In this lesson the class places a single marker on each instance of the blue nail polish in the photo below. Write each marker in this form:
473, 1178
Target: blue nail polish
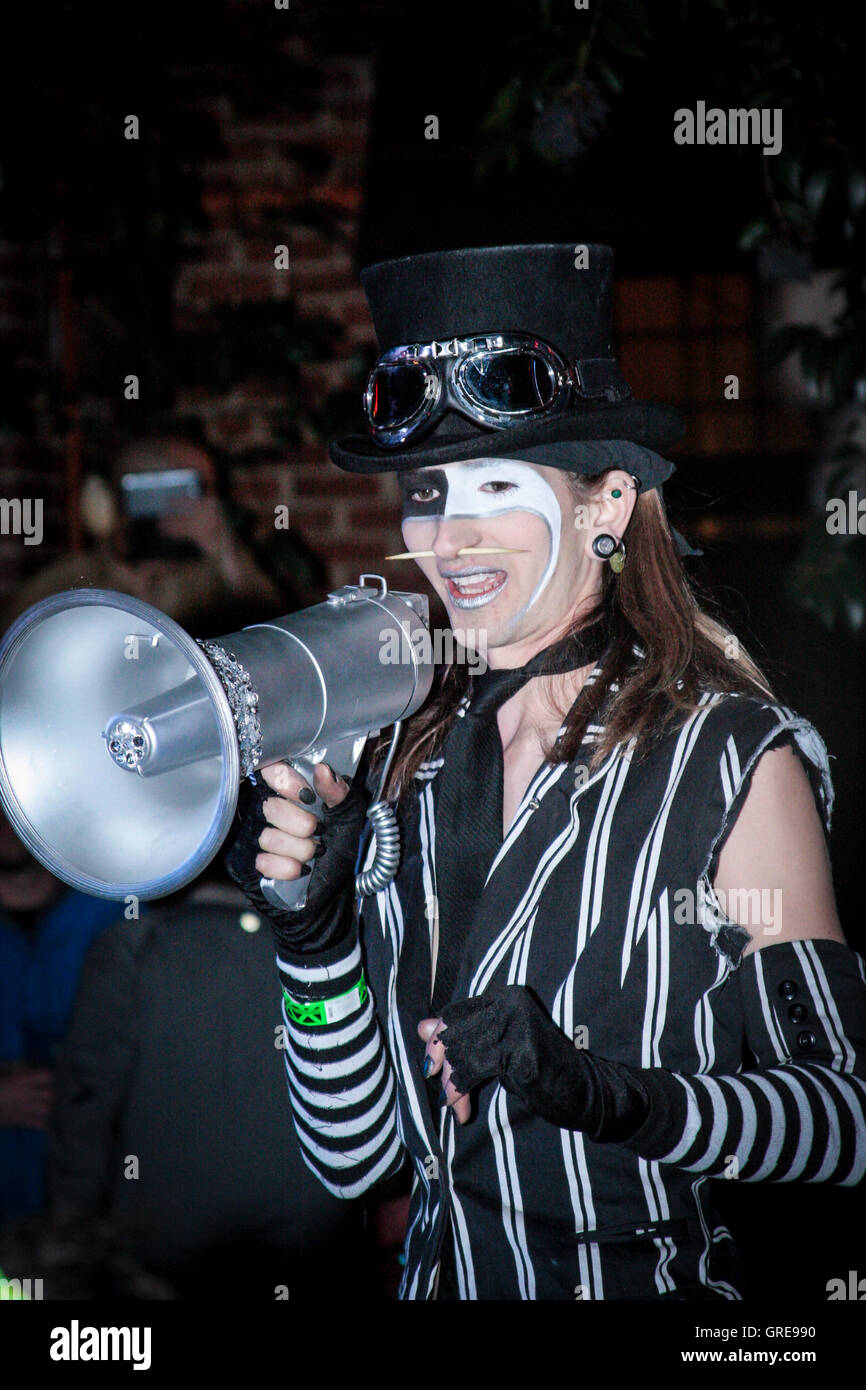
443, 1097
428, 1062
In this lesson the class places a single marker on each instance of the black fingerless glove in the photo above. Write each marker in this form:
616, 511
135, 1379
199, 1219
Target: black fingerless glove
505, 1034
327, 917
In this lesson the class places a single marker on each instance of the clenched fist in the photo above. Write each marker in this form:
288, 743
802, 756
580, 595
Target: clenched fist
277, 838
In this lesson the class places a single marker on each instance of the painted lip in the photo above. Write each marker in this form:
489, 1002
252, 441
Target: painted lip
461, 599
471, 569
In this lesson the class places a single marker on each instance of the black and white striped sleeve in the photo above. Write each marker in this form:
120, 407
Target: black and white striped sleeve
341, 1082
798, 1115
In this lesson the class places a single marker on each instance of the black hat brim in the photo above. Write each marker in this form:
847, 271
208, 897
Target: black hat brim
655, 426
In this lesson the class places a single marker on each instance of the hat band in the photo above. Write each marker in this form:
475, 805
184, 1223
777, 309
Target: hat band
494, 379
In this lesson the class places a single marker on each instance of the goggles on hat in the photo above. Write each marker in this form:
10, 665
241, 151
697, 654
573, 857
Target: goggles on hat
495, 379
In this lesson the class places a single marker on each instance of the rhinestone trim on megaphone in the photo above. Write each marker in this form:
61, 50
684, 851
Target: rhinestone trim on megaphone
243, 702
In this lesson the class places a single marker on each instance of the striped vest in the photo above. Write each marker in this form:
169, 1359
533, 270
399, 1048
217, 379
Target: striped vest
600, 900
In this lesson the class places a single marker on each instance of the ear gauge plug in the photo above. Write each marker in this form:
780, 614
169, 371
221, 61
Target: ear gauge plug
609, 548
604, 546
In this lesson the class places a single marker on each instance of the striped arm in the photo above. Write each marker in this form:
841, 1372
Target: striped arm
801, 1117
341, 1084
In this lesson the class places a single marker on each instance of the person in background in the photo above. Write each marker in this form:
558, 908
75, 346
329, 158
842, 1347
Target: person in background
577, 1002
45, 932
186, 558
171, 1112
56, 1258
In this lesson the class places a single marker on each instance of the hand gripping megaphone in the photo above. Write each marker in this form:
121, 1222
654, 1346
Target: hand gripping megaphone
123, 740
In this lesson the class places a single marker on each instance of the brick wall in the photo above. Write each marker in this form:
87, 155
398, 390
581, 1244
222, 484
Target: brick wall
263, 190
245, 196
678, 336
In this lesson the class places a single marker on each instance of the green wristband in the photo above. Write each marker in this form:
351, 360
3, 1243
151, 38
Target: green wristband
315, 1013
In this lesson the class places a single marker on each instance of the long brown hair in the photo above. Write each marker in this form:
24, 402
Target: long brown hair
651, 604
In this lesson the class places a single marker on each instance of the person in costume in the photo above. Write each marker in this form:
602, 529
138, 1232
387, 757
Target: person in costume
609, 967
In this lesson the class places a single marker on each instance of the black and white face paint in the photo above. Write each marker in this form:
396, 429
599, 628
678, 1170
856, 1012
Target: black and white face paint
464, 490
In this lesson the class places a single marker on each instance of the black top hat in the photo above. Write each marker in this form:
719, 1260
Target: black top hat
560, 293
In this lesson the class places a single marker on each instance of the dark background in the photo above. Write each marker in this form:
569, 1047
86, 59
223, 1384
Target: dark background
157, 257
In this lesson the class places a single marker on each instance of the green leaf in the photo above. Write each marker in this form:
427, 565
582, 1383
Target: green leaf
794, 337
754, 233
816, 188
789, 170
856, 190
855, 609
814, 358
828, 578
504, 104
609, 78
848, 365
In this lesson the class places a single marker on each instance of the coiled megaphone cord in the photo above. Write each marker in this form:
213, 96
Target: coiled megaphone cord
383, 820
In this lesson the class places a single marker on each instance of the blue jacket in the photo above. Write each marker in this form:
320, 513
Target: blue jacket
39, 972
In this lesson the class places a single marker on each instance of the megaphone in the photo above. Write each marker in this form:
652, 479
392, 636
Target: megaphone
123, 740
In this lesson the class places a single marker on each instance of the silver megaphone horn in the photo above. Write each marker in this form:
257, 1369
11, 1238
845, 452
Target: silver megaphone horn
123, 740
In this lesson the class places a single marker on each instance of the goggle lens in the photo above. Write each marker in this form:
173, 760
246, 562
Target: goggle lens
396, 394
509, 381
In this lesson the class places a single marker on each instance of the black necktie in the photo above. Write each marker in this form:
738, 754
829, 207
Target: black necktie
470, 790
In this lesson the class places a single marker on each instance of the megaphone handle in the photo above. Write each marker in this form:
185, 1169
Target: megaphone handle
292, 893
342, 757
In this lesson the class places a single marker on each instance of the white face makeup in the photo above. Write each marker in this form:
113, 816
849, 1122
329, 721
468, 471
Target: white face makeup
459, 491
